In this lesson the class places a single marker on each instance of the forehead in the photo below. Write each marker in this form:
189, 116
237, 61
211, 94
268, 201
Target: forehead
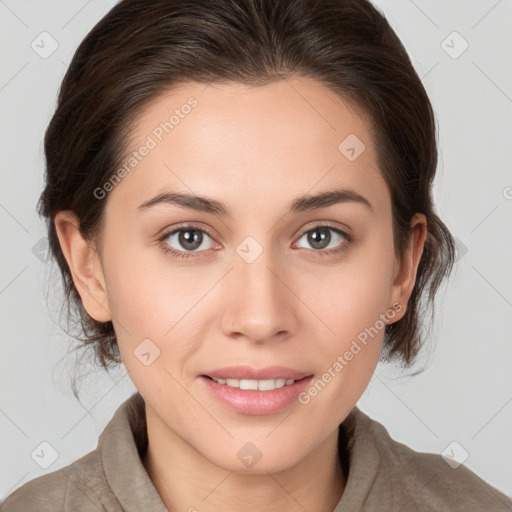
289, 136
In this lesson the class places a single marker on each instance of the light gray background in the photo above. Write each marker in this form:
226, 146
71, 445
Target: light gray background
465, 392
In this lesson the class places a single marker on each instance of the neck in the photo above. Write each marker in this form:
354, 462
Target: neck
188, 481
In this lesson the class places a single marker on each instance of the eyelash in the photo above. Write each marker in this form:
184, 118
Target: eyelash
185, 255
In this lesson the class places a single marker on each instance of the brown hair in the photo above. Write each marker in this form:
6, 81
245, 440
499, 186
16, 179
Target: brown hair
141, 49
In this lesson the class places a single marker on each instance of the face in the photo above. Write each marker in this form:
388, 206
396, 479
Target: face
252, 275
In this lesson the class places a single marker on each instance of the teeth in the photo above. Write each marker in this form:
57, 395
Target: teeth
261, 385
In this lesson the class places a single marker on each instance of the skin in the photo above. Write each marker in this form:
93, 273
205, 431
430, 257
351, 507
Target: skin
255, 149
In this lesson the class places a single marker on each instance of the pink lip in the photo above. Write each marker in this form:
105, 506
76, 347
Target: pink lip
253, 402
247, 372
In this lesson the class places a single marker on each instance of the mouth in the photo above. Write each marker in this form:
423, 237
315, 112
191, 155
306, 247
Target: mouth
255, 384
256, 397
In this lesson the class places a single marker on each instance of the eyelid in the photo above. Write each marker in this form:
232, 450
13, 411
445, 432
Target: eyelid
348, 238
324, 224
316, 224
165, 233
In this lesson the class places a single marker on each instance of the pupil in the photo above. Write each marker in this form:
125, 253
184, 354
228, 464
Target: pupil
191, 239
319, 238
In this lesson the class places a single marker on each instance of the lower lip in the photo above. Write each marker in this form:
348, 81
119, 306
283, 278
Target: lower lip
253, 402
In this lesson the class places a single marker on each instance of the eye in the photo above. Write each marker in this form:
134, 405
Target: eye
184, 240
323, 242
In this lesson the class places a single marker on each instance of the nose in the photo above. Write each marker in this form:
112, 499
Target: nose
260, 304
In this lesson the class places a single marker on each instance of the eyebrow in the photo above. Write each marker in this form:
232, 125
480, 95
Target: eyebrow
300, 204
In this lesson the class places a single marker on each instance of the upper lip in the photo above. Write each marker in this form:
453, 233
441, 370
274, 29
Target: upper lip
249, 373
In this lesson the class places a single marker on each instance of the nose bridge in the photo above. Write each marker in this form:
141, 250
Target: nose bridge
260, 305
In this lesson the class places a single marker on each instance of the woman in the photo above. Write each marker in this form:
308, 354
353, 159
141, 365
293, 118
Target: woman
238, 196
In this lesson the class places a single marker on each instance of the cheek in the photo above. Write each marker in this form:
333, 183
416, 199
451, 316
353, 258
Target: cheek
141, 290
352, 295
153, 296
157, 310
140, 299
352, 301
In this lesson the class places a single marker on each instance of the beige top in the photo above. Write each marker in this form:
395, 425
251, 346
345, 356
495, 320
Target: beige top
384, 475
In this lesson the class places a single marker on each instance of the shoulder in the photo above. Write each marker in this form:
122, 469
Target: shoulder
431, 481
78, 486
426, 480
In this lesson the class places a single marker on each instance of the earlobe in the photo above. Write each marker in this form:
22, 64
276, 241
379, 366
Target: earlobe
407, 268
85, 266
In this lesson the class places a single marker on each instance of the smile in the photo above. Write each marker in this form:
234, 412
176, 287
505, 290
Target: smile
256, 385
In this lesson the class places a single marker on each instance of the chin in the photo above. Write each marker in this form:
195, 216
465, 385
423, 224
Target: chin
255, 459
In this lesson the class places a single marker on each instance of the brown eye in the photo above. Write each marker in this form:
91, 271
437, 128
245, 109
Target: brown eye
190, 239
320, 238
187, 239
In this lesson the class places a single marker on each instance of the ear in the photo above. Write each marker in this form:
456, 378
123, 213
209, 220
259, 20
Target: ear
406, 268
85, 266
